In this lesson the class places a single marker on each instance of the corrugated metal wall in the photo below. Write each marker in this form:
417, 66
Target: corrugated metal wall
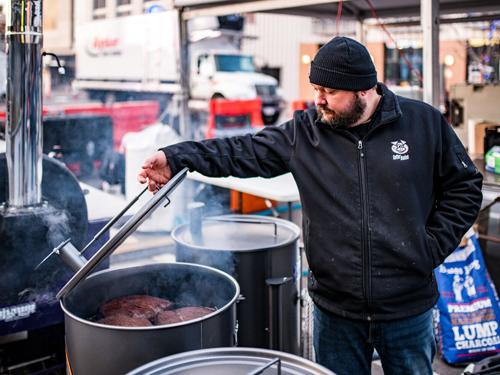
276, 43
275, 39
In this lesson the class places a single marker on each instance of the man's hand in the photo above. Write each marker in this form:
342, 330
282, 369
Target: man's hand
155, 171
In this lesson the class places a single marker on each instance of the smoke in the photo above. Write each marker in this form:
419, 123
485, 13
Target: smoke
183, 285
41, 295
222, 260
200, 288
206, 242
205, 201
58, 229
44, 284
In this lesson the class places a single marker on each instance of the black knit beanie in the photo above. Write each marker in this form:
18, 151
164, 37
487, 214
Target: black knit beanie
343, 64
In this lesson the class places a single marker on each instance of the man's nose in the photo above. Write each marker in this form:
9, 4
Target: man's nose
319, 99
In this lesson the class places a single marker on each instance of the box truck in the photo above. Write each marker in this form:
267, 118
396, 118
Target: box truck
137, 57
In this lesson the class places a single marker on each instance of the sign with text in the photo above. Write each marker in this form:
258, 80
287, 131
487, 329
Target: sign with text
468, 306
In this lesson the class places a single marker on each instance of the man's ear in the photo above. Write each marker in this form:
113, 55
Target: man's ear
362, 93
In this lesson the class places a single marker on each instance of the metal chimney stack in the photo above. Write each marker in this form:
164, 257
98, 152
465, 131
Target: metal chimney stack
24, 102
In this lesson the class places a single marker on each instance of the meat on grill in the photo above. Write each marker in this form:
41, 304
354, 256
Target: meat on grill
182, 314
189, 313
167, 317
136, 306
125, 321
142, 310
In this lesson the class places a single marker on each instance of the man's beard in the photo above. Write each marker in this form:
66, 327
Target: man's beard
343, 119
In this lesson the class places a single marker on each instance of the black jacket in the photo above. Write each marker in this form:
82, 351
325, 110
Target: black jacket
379, 214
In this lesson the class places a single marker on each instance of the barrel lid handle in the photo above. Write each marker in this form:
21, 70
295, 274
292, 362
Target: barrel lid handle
126, 230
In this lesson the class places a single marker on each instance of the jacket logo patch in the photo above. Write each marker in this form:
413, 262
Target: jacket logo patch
400, 149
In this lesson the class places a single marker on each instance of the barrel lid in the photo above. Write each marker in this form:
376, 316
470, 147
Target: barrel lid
126, 230
238, 233
234, 361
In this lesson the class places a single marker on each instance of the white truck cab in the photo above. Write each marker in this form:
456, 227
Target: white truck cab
232, 75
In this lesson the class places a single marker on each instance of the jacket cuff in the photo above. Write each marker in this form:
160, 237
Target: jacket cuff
175, 167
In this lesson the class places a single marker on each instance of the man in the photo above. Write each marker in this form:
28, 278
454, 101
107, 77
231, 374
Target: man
387, 191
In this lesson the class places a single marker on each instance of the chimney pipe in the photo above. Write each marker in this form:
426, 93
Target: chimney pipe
24, 102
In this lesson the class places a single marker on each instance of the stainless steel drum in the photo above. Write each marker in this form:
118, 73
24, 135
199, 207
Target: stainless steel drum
261, 253
232, 361
94, 348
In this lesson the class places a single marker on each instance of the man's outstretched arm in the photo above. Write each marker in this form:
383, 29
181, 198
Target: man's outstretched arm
265, 154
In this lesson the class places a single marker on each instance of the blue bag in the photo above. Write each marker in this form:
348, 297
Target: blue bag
468, 312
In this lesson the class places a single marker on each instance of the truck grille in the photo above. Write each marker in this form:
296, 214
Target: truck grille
265, 90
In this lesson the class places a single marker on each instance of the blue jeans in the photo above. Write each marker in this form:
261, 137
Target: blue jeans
345, 346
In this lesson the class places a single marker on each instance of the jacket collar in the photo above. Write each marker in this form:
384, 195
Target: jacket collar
390, 110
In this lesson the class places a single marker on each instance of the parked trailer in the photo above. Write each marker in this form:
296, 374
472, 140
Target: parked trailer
136, 57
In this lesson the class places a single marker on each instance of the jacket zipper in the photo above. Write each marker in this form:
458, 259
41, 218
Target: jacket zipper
365, 225
463, 162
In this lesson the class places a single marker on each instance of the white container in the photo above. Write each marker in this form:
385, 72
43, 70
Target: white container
138, 146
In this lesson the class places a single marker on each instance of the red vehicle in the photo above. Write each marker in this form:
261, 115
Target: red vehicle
233, 117
86, 135
126, 116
